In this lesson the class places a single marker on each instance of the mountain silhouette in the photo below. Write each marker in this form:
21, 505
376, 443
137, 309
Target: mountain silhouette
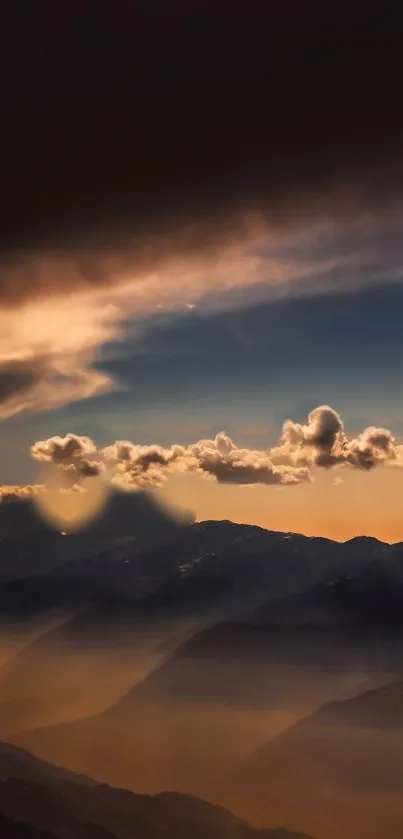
39, 801
251, 564
233, 619
11, 829
341, 767
324, 625
30, 546
133, 600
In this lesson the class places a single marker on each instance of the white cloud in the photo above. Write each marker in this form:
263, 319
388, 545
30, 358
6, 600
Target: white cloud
324, 443
73, 454
219, 458
320, 443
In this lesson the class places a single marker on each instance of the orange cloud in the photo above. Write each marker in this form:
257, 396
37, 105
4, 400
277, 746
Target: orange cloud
65, 309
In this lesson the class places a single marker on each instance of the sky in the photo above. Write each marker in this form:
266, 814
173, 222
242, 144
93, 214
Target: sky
201, 256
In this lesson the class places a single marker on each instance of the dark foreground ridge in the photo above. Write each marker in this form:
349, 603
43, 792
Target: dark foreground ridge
40, 801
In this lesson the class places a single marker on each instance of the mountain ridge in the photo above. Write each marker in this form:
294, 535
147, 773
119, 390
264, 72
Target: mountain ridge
63, 805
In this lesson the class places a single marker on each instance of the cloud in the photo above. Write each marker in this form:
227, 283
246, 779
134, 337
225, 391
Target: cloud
52, 340
373, 447
16, 376
324, 443
267, 108
218, 458
125, 192
320, 443
9, 492
223, 460
47, 352
70, 454
63, 450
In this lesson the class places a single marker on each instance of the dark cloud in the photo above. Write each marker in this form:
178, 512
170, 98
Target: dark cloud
16, 376
157, 126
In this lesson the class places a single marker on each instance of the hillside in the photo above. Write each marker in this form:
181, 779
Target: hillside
39, 801
341, 768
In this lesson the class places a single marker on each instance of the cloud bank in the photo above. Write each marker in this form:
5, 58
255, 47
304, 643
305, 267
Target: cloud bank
321, 443
220, 459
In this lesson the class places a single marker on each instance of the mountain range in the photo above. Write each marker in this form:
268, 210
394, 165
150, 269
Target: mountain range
40, 801
29, 545
256, 669
127, 609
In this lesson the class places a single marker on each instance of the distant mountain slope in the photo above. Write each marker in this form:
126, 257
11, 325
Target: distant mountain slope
370, 595
122, 600
19, 763
288, 658
10, 829
250, 563
127, 605
59, 804
341, 768
348, 625
381, 708
203, 709
124, 611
